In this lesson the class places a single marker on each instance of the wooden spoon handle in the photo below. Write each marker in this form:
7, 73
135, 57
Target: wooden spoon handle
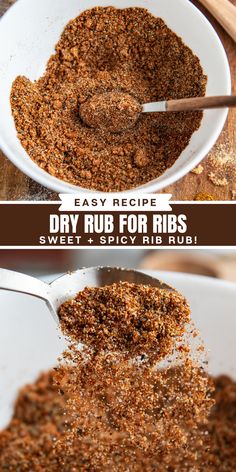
224, 12
201, 103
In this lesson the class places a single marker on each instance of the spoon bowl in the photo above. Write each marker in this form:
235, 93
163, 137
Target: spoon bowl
67, 286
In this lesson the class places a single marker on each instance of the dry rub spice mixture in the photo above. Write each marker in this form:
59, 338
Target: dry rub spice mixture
41, 419
111, 111
113, 404
108, 50
222, 165
202, 197
128, 318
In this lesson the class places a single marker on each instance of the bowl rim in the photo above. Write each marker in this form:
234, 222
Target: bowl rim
161, 275
33, 171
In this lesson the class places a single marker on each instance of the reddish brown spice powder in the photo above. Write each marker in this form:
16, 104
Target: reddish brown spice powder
128, 318
41, 420
139, 409
103, 409
111, 111
109, 50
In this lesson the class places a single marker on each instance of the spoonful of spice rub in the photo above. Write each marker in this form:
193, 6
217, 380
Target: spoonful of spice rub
111, 111
110, 309
126, 317
117, 111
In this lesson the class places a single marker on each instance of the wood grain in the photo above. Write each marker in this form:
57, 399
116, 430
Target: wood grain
16, 186
201, 103
224, 12
192, 184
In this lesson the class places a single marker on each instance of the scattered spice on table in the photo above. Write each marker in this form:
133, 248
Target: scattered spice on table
222, 165
233, 194
103, 51
204, 197
216, 180
198, 170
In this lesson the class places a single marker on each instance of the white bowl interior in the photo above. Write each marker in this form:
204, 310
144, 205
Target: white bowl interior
35, 29
30, 342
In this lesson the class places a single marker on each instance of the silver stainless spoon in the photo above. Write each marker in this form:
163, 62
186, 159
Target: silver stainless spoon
67, 286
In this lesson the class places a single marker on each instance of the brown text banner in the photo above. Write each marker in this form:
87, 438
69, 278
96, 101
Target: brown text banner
43, 225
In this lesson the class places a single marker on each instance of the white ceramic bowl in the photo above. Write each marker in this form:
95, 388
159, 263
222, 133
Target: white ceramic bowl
28, 34
30, 344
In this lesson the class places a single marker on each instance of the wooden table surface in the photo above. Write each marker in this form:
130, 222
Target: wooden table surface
16, 186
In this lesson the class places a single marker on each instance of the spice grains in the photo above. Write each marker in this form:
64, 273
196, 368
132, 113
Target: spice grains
127, 318
111, 111
135, 395
107, 50
41, 419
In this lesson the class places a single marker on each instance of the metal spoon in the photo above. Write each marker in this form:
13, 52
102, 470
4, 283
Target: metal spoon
67, 286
